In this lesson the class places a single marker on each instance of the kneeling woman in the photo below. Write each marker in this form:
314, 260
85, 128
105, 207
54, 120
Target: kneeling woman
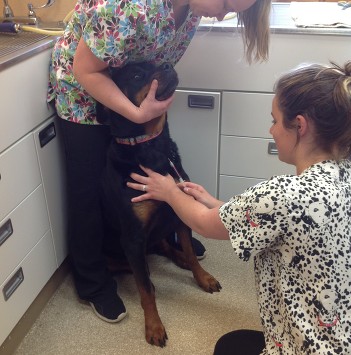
296, 227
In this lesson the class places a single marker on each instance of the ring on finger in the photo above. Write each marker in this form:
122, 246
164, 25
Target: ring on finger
144, 188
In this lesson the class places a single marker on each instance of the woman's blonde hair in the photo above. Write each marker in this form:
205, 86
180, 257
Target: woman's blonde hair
256, 22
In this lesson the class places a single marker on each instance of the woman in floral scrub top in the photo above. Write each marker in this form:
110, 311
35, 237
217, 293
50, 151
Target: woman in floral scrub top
117, 32
296, 227
112, 33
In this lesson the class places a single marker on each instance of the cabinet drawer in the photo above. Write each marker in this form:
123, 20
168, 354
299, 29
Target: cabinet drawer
23, 111
249, 157
247, 114
230, 186
25, 283
18, 233
19, 174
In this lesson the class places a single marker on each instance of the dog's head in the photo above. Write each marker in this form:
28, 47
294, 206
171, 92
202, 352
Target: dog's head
134, 80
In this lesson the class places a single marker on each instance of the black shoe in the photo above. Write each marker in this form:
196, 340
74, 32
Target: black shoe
198, 247
109, 307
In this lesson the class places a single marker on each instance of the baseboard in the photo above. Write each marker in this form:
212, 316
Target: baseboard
11, 343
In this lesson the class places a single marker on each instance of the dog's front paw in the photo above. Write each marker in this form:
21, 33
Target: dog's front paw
155, 334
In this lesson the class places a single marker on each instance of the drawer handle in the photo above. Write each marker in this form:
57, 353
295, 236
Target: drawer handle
272, 148
47, 134
6, 231
201, 101
13, 284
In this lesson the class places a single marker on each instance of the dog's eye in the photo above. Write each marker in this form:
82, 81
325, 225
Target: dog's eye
138, 77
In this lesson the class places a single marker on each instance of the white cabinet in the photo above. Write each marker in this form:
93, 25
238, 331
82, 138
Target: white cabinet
23, 90
194, 124
20, 230
52, 170
246, 114
248, 154
32, 189
25, 282
214, 62
27, 258
19, 174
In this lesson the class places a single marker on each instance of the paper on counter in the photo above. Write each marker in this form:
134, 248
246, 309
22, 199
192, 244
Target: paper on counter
320, 14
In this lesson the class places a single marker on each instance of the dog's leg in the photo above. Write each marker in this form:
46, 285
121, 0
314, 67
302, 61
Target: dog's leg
205, 280
155, 332
177, 256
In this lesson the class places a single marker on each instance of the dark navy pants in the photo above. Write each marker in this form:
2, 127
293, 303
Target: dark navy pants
85, 149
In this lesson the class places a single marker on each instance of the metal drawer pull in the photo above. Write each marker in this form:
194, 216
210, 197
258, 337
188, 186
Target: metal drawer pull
6, 231
201, 101
47, 134
13, 284
272, 148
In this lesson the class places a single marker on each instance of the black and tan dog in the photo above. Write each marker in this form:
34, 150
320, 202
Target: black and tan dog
140, 225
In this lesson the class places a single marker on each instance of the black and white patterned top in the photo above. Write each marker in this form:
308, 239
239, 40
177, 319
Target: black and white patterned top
298, 228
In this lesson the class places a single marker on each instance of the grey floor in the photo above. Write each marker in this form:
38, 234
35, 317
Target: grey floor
194, 320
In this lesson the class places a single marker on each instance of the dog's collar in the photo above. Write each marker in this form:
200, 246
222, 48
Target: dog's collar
139, 139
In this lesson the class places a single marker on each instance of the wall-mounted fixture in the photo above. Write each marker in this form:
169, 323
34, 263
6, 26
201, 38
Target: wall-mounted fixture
30, 19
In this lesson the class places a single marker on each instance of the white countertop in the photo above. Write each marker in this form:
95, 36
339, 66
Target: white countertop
281, 22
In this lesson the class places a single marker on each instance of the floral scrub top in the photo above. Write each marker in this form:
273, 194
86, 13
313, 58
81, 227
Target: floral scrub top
117, 32
298, 228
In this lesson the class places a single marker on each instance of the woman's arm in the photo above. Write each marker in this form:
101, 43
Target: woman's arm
92, 74
193, 213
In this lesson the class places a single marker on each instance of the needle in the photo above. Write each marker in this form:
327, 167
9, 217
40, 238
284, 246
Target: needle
175, 169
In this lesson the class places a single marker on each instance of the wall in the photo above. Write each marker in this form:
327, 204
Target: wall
56, 12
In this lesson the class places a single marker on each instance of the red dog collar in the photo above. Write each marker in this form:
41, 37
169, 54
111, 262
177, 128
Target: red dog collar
139, 139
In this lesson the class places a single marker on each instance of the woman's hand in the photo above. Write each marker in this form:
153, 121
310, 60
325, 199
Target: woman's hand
150, 107
155, 185
159, 187
92, 75
200, 194
192, 212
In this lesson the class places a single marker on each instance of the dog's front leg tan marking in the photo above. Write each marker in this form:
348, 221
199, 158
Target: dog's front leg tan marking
145, 210
155, 332
205, 280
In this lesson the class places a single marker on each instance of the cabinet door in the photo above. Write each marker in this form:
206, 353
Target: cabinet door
50, 154
247, 114
251, 157
23, 90
194, 125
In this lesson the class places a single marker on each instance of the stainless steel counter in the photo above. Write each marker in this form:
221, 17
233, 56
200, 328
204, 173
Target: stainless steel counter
15, 48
